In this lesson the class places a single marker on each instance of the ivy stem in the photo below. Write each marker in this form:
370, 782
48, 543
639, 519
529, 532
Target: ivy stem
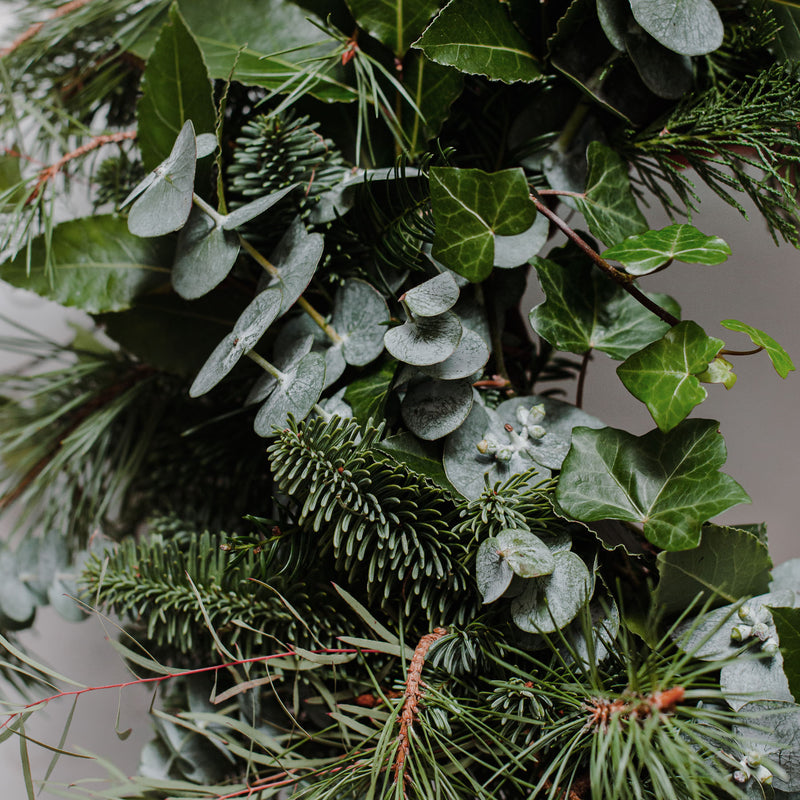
561, 193
622, 278
302, 302
752, 352
494, 335
587, 357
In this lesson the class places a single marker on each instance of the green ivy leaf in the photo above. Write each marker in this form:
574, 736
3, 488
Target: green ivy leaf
95, 265
664, 375
395, 23
360, 315
727, 564
787, 623
585, 311
470, 207
719, 371
648, 251
367, 395
432, 409
777, 355
668, 482
480, 39
689, 27
428, 340
424, 458
551, 602
175, 88
608, 204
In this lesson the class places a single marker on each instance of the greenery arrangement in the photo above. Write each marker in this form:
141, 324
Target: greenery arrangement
317, 454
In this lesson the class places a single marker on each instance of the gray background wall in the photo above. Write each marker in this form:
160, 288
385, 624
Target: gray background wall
760, 284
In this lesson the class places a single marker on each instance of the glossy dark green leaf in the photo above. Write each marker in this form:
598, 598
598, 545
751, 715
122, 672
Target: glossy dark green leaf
296, 257
668, 482
727, 564
787, 623
614, 16
296, 393
255, 208
395, 23
434, 89
175, 88
513, 251
367, 395
433, 297
664, 375
428, 340
470, 355
164, 197
432, 409
470, 207
689, 27
608, 205
360, 315
493, 573
664, 72
583, 310
551, 602
778, 356
480, 39
648, 251
95, 265
204, 256
424, 458
786, 45
249, 328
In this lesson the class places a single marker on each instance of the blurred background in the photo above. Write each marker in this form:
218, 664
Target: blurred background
759, 284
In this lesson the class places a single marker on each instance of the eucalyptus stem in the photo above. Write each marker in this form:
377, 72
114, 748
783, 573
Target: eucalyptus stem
302, 302
622, 278
280, 376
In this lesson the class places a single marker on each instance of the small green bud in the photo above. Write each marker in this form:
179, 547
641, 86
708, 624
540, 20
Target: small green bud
536, 431
504, 454
740, 776
741, 633
771, 646
761, 630
745, 614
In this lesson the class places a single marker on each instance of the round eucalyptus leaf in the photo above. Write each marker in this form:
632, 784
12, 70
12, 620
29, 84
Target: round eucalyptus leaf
335, 364
665, 73
38, 559
526, 554
492, 572
360, 315
260, 313
754, 675
206, 144
513, 251
431, 409
296, 257
222, 360
283, 360
253, 209
614, 16
17, 602
602, 627
689, 27
426, 341
787, 575
336, 405
62, 594
470, 355
551, 602
296, 393
433, 297
166, 201
204, 256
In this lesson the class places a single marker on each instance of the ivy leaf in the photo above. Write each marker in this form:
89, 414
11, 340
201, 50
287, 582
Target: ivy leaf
668, 482
175, 88
514, 251
249, 328
777, 355
94, 264
727, 564
470, 207
433, 297
689, 27
719, 371
479, 38
608, 204
426, 341
551, 602
664, 375
470, 355
583, 310
204, 256
360, 315
367, 395
395, 23
648, 251
419, 456
296, 257
295, 393
165, 195
432, 409
787, 623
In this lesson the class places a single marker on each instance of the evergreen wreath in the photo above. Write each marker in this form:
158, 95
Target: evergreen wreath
316, 452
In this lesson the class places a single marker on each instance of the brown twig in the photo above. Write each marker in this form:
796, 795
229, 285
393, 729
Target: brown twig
412, 696
61, 11
49, 172
618, 276
587, 357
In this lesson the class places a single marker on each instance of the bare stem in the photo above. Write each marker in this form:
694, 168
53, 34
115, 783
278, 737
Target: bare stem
752, 352
622, 278
560, 193
587, 357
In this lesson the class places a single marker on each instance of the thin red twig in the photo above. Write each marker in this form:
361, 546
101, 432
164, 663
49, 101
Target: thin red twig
61, 11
